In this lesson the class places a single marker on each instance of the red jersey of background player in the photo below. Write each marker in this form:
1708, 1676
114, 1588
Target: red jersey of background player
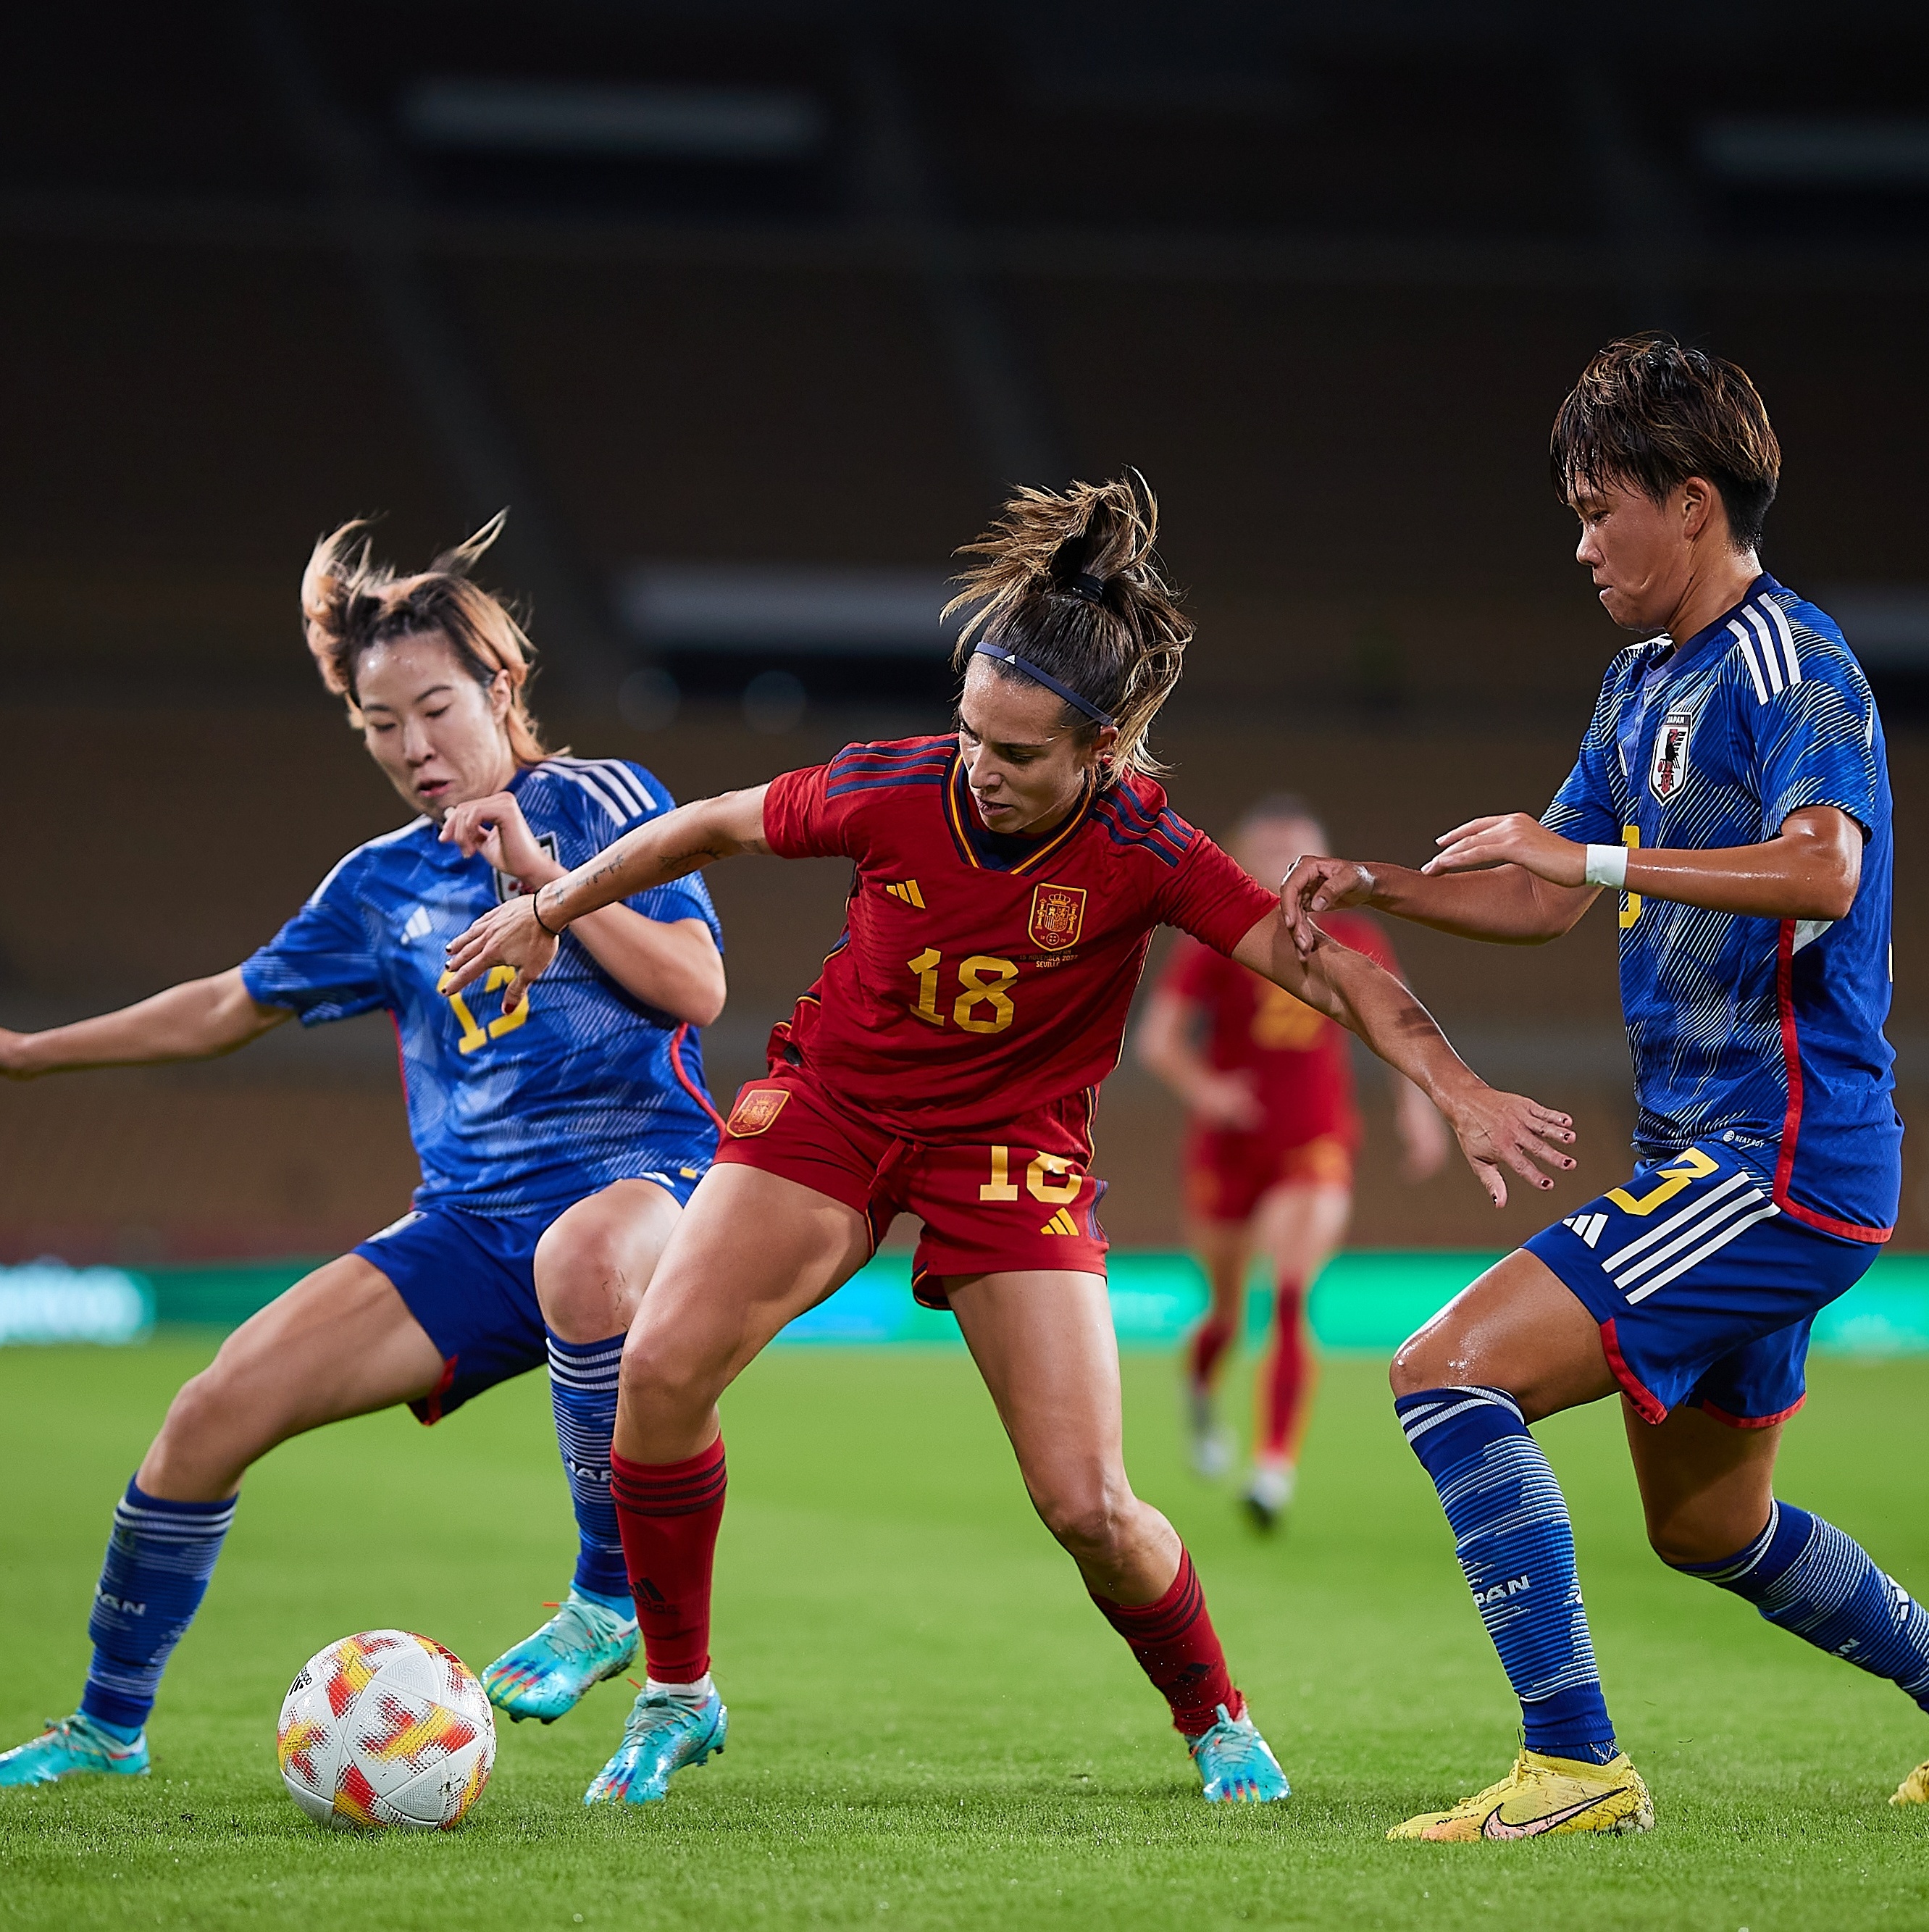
1301, 1062
983, 978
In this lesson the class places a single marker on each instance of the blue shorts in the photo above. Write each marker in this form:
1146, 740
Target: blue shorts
470, 1280
1704, 1291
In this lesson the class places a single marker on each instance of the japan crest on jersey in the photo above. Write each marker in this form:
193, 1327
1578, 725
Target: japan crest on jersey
1057, 917
1667, 765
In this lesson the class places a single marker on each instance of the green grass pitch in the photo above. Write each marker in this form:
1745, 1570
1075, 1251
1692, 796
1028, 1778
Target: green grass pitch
930, 1726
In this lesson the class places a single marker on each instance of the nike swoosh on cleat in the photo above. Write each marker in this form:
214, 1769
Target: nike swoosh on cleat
1495, 1826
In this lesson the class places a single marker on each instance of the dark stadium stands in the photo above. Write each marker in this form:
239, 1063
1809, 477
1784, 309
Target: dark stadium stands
1326, 294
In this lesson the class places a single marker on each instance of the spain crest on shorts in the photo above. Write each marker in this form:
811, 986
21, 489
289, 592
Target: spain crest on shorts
1668, 766
1057, 917
754, 1112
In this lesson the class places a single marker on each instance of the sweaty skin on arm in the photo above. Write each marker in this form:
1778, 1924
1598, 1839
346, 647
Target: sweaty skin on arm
1507, 878
199, 1019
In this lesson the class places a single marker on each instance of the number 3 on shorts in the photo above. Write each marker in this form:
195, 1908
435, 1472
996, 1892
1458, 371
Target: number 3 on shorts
1684, 1171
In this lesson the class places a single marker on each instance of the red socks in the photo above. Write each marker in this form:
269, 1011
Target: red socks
668, 1514
1286, 1382
1177, 1647
1210, 1340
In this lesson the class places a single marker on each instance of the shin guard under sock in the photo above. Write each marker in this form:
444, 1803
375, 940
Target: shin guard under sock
1286, 1379
159, 1559
583, 1393
1804, 1574
669, 1514
1516, 1547
1177, 1648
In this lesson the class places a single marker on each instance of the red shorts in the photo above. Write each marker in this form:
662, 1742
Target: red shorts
986, 1210
1228, 1174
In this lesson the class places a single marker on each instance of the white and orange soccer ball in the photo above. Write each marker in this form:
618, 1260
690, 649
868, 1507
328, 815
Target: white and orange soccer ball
386, 1729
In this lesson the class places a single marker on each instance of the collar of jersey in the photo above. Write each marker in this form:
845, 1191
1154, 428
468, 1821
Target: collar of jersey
974, 842
1678, 656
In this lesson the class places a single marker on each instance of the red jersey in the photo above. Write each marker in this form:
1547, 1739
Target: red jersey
1301, 1062
983, 979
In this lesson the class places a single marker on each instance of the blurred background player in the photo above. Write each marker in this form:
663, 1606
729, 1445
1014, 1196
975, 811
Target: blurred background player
1008, 878
1270, 1140
558, 1137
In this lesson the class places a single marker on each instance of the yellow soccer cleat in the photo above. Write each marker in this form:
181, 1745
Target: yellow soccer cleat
1914, 1789
1542, 1795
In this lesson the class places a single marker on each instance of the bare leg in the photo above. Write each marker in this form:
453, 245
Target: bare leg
751, 1251
1043, 1343
1706, 1488
595, 1259
340, 1343
1517, 1327
1224, 1253
1297, 1228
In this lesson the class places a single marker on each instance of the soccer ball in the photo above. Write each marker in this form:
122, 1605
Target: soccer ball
385, 1729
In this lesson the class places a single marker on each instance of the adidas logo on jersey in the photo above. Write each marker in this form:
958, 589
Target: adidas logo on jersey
418, 924
1588, 1226
907, 890
1061, 1223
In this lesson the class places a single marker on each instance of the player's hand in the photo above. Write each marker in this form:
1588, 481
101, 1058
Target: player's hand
495, 827
506, 935
1497, 1130
1226, 1099
1313, 886
1510, 838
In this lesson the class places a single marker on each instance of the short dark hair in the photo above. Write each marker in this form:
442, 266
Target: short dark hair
1648, 413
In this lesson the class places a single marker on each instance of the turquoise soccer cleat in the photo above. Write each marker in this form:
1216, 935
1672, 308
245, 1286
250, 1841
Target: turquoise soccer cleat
74, 1747
662, 1736
1238, 1764
550, 1672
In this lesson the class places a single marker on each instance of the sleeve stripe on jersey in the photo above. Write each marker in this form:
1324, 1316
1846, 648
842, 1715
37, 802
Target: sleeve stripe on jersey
618, 814
1780, 675
878, 756
620, 778
1766, 681
883, 783
1126, 823
1779, 619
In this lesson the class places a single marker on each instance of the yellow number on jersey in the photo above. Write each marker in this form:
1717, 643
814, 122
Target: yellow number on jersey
1630, 837
983, 979
1682, 1172
474, 1035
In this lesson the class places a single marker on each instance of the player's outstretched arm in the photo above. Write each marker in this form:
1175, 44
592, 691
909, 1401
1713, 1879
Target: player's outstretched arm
1809, 870
199, 1019
1495, 1130
1508, 904
521, 934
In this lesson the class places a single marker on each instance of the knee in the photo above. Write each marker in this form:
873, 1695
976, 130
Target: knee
656, 1378
202, 1405
1686, 1541
1412, 1369
1093, 1525
583, 1286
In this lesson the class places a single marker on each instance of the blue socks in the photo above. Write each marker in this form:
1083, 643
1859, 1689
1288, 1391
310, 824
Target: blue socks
1516, 1547
159, 1559
583, 1391
1805, 1575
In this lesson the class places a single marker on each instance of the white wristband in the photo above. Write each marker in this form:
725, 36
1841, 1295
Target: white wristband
1607, 866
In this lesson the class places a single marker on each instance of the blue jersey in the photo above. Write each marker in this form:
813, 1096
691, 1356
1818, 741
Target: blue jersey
510, 1112
1766, 1035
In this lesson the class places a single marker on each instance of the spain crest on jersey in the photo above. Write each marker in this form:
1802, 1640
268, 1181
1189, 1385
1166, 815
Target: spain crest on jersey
1668, 766
754, 1112
1057, 917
